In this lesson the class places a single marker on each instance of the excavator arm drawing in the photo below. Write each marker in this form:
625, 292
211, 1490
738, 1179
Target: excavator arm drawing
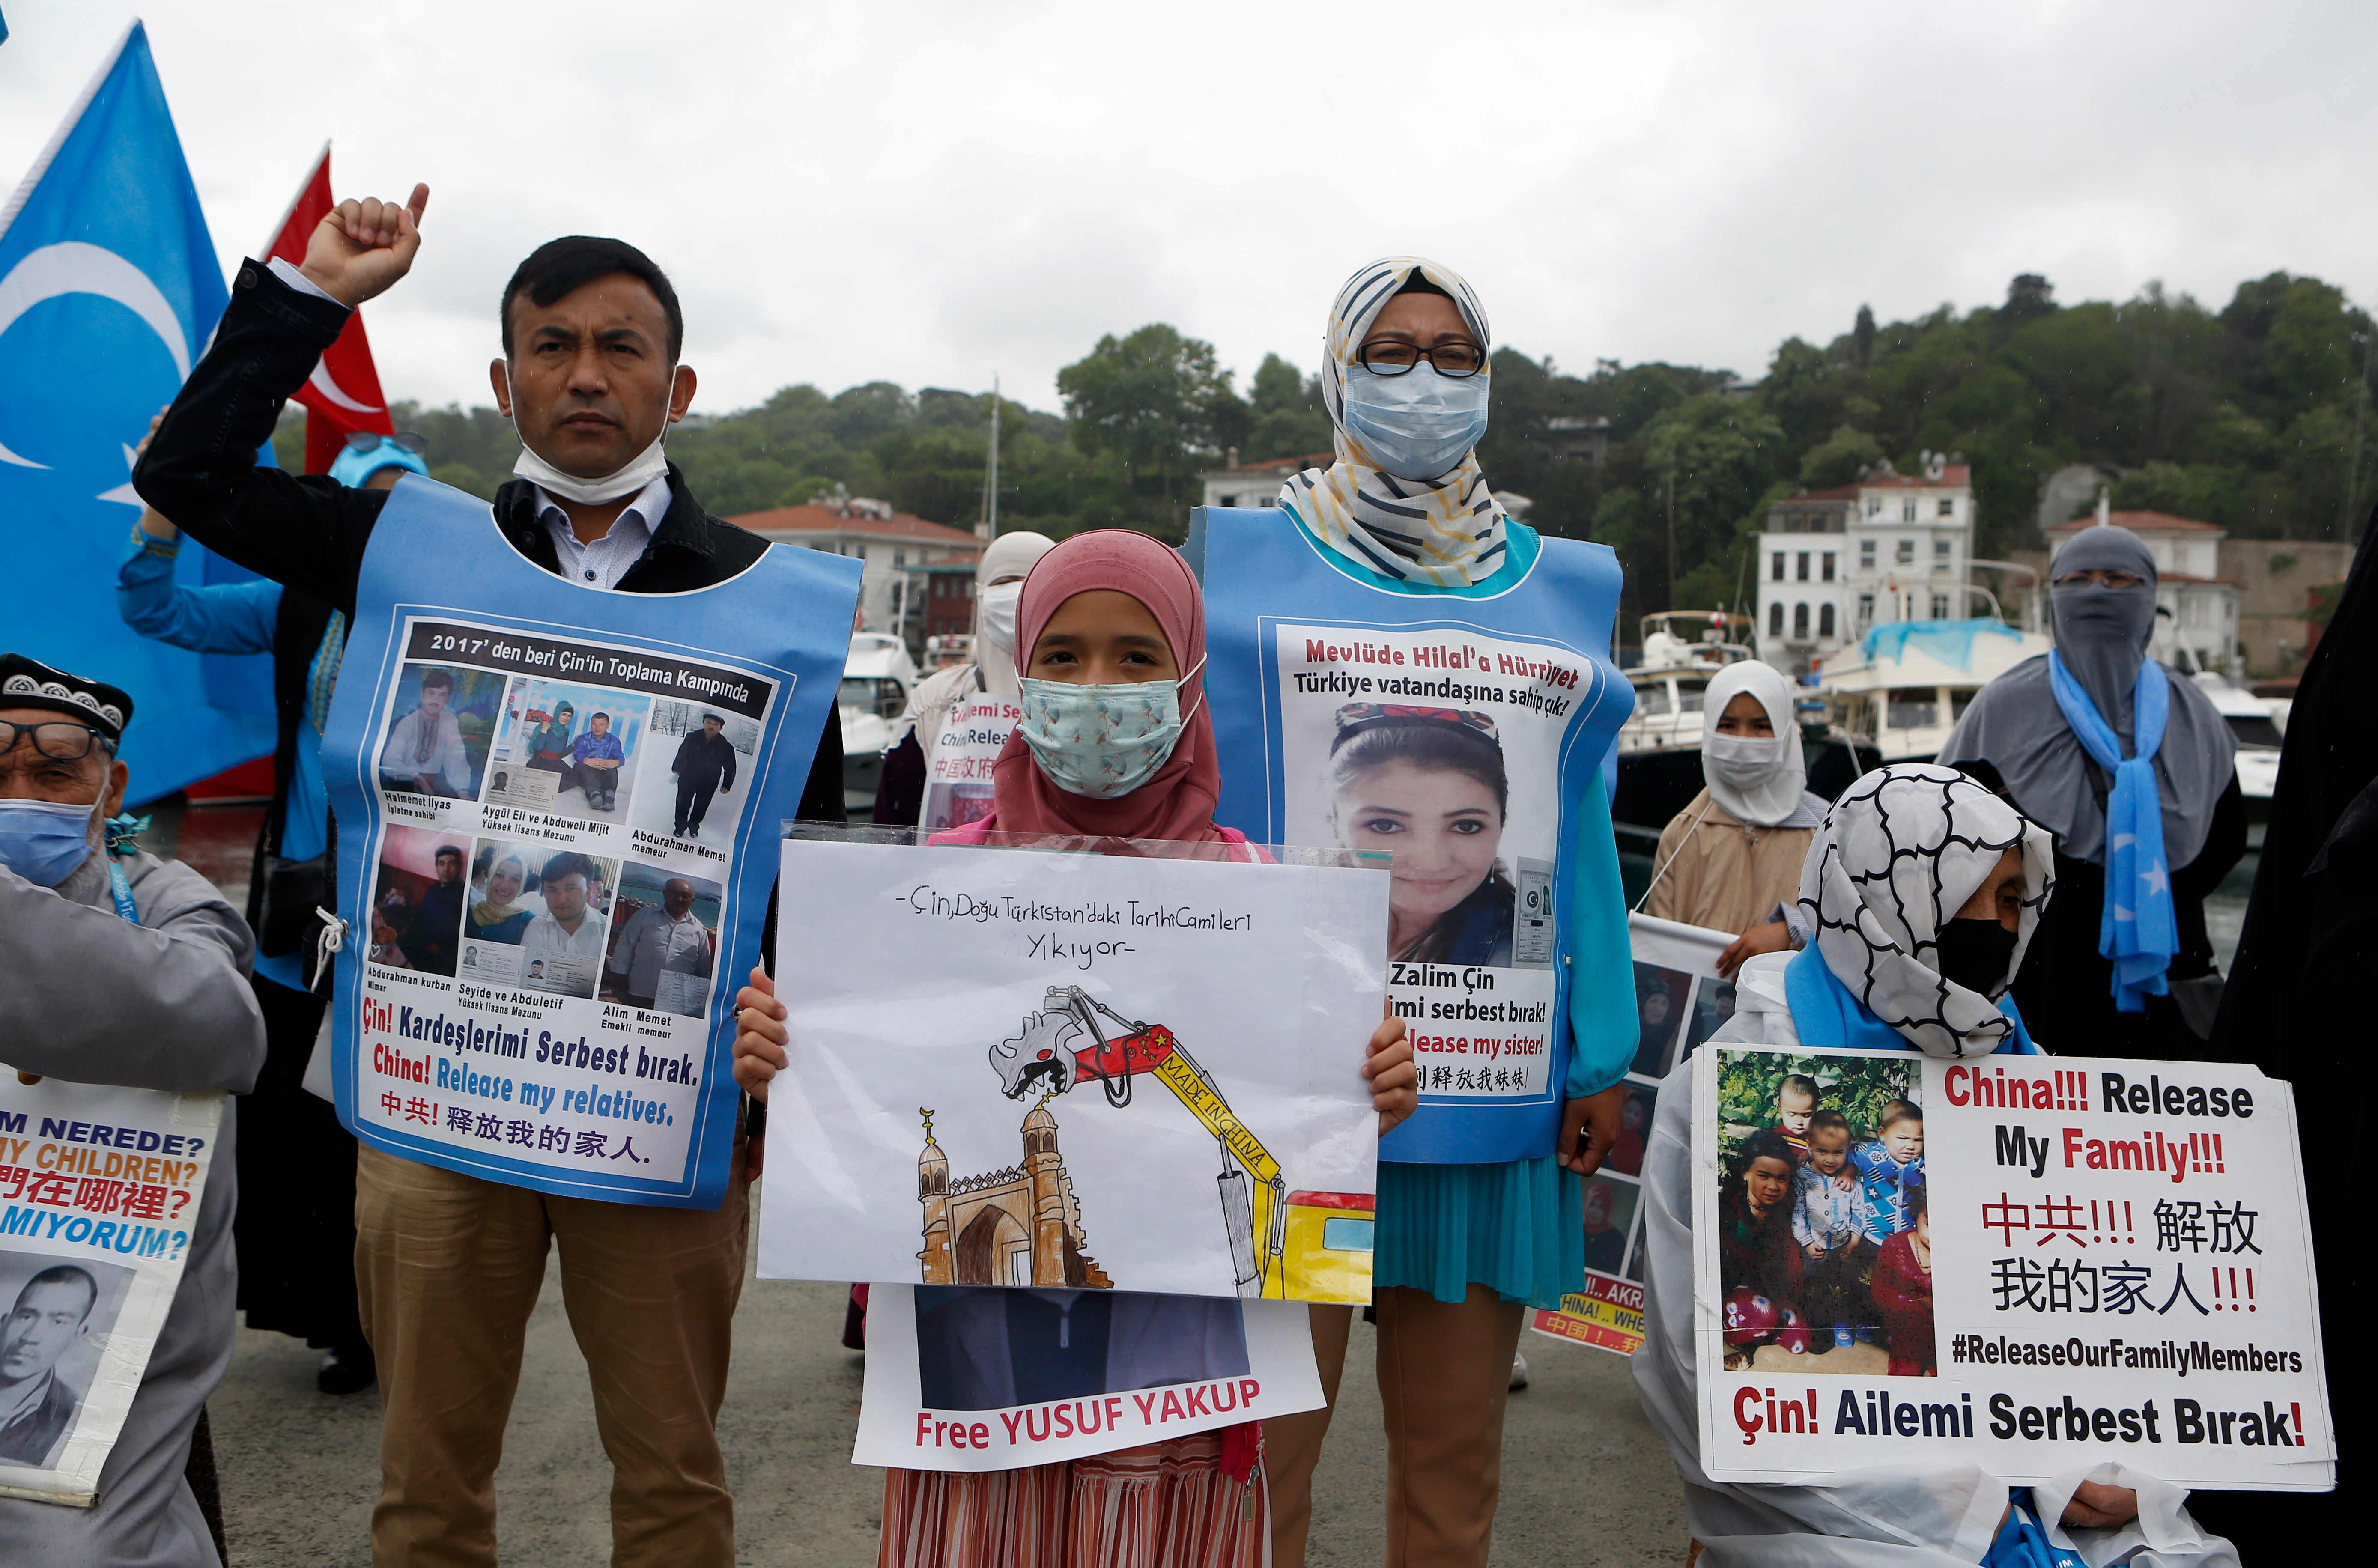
1051, 1051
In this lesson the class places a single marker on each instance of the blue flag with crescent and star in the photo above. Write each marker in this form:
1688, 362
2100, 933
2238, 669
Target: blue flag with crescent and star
109, 290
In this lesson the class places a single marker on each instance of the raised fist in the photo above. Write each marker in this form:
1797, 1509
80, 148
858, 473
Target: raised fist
360, 248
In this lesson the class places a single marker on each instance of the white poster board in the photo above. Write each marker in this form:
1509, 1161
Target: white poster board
1680, 1000
1012, 1066
100, 1191
961, 1379
2118, 1268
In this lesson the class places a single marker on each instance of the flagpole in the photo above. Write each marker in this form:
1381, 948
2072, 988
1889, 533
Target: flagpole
66, 128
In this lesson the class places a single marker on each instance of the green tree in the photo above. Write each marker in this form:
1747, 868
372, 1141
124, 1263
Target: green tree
1158, 402
1285, 416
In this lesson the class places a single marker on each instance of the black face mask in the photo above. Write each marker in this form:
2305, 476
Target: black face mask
1974, 954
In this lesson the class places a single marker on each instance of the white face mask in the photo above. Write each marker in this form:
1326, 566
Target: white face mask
640, 471
1743, 760
998, 606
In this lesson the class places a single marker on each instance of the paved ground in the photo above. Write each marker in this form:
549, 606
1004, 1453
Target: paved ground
1585, 1484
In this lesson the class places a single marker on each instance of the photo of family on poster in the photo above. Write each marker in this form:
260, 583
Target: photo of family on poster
568, 749
1824, 1242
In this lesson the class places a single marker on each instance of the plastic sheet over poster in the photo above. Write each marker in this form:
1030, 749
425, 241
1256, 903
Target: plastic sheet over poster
1680, 1001
100, 1193
2052, 1260
1056, 1070
996, 1379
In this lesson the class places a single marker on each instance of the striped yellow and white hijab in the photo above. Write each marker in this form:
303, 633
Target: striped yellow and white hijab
1448, 533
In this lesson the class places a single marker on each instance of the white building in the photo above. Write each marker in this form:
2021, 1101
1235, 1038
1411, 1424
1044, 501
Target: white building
1833, 564
2196, 623
1256, 484
905, 590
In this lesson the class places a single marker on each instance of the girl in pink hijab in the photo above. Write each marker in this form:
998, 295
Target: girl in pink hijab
1115, 743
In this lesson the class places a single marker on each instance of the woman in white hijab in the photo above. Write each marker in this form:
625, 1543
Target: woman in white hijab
1924, 889
1731, 859
978, 686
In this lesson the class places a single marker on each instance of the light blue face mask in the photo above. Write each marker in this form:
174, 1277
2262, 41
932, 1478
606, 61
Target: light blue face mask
1103, 741
43, 841
1417, 425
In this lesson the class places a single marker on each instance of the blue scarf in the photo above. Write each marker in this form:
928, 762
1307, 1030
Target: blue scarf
1830, 1019
2138, 930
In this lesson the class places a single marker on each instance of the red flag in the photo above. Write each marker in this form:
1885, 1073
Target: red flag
343, 392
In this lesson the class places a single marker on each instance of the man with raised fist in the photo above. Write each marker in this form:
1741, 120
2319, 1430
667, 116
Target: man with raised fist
448, 1265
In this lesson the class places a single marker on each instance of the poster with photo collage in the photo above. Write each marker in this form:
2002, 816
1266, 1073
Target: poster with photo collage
1680, 1001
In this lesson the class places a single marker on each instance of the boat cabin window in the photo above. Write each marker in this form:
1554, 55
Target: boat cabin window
1688, 695
1652, 700
2253, 729
1913, 707
1960, 698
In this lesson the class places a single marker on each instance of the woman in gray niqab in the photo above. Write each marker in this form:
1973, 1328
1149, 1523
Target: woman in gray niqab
2017, 738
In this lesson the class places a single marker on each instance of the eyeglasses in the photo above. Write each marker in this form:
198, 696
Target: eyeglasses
2099, 576
370, 440
60, 739
1393, 356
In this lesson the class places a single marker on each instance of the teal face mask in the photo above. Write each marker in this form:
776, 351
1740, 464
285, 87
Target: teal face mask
1103, 741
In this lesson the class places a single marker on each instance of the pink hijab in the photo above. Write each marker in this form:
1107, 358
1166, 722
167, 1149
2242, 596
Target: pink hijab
1178, 803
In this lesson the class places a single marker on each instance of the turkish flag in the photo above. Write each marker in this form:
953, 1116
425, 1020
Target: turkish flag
343, 392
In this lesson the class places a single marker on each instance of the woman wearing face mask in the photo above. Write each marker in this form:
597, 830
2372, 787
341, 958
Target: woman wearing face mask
930, 784
1925, 889
1397, 659
1731, 859
1115, 742
2130, 766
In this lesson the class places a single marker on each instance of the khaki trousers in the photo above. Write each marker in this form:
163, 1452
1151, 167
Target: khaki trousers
448, 1268
1445, 1378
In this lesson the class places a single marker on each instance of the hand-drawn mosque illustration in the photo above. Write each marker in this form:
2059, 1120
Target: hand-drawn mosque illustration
1021, 1225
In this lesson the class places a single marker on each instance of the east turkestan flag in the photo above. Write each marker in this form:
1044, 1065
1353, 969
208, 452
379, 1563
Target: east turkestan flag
109, 290
342, 395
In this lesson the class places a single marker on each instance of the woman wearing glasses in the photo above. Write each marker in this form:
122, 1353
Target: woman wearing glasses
297, 1271
1397, 665
2130, 766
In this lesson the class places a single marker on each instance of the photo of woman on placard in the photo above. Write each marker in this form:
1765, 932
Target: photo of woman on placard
499, 916
1428, 786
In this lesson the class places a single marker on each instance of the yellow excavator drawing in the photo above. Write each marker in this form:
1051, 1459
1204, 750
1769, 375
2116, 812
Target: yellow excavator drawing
1331, 1232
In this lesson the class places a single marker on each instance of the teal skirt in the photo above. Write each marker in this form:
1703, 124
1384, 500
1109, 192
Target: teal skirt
1518, 1228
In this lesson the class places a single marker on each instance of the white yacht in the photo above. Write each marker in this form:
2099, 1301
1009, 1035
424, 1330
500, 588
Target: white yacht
1904, 684
877, 675
1675, 671
2260, 724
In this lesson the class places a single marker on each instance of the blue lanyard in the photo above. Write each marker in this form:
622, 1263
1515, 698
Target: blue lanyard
121, 831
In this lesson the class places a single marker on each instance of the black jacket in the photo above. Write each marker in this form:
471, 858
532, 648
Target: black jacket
308, 531
704, 759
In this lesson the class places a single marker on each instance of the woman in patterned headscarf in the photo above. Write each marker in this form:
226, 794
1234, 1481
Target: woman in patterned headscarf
1924, 889
1406, 384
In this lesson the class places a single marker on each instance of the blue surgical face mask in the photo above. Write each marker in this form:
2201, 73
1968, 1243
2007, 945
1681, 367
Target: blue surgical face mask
1101, 741
43, 841
1418, 425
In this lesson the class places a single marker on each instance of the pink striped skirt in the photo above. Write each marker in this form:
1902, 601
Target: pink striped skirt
1165, 1505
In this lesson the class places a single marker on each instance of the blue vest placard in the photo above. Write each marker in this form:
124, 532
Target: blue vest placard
547, 922
1463, 732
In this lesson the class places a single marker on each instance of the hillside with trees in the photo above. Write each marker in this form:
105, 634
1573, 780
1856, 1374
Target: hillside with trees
2251, 416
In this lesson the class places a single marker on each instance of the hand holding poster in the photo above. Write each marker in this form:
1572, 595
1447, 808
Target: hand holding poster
100, 1189
1075, 1070
2025, 1263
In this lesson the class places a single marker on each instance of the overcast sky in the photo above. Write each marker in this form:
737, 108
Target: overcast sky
931, 193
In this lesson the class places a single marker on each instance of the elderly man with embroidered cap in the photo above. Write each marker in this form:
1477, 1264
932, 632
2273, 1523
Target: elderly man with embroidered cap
118, 968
